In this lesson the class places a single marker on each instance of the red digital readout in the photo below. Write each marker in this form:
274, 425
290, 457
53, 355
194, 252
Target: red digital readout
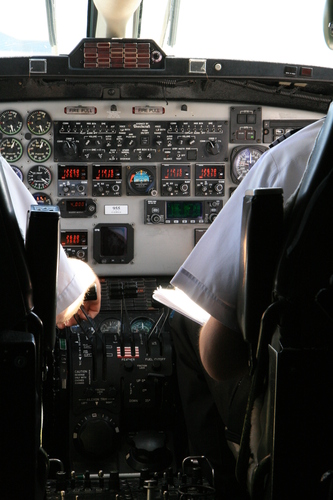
73, 238
75, 206
174, 173
101, 173
105, 173
209, 173
72, 173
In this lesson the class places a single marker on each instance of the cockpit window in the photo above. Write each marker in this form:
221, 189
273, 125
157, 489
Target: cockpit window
42, 27
284, 31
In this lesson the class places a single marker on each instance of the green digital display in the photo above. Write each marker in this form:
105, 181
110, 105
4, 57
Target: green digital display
184, 209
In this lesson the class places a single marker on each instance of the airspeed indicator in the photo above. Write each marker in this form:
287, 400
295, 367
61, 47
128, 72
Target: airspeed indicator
242, 160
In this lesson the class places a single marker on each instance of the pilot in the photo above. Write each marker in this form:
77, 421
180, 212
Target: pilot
74, 276
212, 361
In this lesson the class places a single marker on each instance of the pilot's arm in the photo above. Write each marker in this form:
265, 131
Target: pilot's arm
74, 277
210, 275
223, 352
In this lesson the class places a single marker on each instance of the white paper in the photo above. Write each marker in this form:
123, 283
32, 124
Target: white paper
177, 300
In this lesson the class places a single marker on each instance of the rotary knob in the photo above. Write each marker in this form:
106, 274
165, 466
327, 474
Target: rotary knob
149, 452
96, 436
213, 148
218, 188
69, 148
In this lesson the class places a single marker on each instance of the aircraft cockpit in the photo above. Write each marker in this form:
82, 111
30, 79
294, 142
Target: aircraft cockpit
135, 122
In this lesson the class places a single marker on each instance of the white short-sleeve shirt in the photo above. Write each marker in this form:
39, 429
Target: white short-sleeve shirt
210, 274
74, 276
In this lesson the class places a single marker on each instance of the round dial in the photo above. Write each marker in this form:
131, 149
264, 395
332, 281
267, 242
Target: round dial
42, 199
10, 122
110, 325
96, 435
141, 181
39, 150
18, 172
39, 177
39, 122
242, 160
142, 325
11, 149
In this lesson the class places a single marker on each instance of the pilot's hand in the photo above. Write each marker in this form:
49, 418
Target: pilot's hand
91, 306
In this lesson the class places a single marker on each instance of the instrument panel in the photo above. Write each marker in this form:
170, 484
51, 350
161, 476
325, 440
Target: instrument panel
137, 182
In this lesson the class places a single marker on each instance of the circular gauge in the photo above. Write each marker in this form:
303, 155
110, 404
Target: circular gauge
141, 181
39, 177
39, 150
110, 325
11, 149
10, 122
42, 199
142, 325
18, 172
39, 122
242, 160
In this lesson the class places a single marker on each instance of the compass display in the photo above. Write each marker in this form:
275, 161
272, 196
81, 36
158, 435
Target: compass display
141, 181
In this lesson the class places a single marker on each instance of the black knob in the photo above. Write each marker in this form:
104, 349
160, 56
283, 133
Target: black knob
213, 148
69, 148
97, 437
155, 219
218, 188
149, 451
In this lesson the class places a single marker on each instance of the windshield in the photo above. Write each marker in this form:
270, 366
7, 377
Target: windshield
285, 31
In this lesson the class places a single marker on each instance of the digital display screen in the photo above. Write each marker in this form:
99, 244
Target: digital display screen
66, 173
74, 238
101, 173
175, 172
209, 172
184, 209
113, 243
75, 206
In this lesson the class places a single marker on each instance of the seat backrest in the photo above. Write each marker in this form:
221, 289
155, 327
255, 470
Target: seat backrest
306, 261
295, 338
27, 293
19, 440
261, 235
16, 288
